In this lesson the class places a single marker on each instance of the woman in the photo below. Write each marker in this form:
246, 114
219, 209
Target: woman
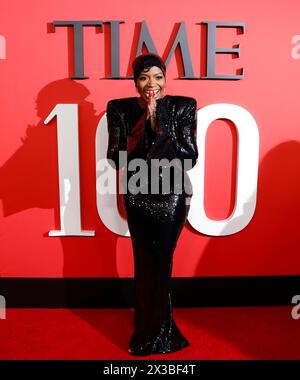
153, 126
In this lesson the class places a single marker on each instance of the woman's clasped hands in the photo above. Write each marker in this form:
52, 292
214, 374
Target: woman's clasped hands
151, 111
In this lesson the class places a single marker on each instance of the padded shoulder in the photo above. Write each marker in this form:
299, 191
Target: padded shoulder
183, 100
119, 103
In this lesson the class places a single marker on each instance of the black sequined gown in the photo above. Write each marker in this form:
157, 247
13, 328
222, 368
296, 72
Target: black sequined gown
155, 221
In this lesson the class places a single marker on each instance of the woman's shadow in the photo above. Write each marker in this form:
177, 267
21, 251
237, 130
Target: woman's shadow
29, 179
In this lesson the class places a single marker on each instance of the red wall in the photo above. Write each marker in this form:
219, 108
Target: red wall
35, 76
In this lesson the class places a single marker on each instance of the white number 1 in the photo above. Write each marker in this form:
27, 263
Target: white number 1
68, 166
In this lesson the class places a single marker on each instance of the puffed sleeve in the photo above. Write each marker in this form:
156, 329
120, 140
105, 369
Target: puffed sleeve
181, 145
117, 139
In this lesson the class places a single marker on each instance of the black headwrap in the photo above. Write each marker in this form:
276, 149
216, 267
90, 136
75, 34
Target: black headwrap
147, 60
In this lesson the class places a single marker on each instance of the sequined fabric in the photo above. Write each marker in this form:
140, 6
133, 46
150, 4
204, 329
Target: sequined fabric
154, 230
167, 339
155, 221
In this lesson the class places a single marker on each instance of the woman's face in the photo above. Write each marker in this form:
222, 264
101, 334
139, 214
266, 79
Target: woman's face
152, 79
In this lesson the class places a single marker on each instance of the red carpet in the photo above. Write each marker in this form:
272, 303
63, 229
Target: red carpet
214, 333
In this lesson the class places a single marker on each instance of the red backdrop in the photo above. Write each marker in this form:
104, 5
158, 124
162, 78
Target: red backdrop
35, 68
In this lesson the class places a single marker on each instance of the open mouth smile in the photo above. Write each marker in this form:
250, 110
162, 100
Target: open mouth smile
148, 92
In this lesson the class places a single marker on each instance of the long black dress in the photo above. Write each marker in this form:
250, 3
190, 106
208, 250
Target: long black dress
155, 222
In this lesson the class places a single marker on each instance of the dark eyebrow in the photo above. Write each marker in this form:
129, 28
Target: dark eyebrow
148, 75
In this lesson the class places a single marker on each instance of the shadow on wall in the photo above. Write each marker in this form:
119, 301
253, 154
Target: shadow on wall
271, 239
29, 179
